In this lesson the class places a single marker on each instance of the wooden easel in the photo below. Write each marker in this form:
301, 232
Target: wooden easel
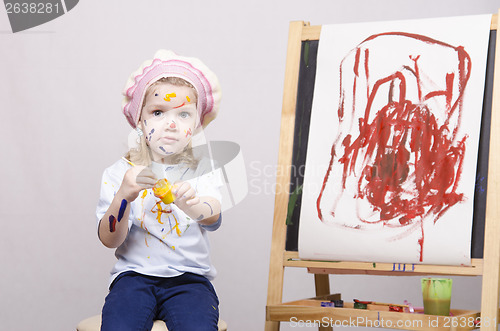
310, 309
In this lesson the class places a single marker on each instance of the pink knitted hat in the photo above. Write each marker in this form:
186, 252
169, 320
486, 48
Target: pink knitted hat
168, 64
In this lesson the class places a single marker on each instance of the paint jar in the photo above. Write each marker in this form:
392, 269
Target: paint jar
163, 191
436, 293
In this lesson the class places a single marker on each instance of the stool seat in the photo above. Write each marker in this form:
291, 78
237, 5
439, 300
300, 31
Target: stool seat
94, 324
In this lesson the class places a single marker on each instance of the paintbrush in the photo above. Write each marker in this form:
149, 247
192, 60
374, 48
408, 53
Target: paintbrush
388, 304
379, 303
124, 159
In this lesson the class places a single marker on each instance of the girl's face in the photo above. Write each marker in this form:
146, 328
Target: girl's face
168, 119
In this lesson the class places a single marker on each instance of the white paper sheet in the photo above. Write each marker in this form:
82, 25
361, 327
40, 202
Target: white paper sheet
392, 151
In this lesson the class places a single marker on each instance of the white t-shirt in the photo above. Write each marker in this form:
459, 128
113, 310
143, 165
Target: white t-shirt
162, 240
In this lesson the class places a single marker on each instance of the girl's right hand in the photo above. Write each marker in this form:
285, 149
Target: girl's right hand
135, 180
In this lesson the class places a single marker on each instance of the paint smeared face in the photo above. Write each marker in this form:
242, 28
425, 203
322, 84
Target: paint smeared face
168, 119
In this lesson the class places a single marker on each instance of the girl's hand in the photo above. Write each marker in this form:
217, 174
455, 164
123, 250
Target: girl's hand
135, 180
185, 195
204, 210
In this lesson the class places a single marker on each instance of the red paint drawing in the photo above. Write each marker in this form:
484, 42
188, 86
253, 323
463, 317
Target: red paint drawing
399, 152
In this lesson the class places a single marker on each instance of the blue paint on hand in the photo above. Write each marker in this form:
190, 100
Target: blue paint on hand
211, 210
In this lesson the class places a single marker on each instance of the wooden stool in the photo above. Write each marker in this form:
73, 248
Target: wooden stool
94, 324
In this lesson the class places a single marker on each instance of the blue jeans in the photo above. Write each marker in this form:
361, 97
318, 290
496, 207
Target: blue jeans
186, 303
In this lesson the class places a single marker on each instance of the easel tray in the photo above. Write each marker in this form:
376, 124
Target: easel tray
310, 313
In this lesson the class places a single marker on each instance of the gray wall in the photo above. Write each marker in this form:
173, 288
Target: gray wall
61, 125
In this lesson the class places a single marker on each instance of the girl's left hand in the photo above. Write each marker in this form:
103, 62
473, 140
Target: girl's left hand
185, 195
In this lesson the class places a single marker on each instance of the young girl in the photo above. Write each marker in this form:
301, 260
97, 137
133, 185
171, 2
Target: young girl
163, 267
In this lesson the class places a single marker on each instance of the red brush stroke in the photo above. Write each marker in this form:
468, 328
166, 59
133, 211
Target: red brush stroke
112, 223
399, 132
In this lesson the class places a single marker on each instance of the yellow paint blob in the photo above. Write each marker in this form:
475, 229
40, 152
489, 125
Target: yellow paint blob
168, 96
163, 191
159, 211
187, 98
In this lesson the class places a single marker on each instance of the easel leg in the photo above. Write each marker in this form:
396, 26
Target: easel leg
322, 283
491, 268
276, 267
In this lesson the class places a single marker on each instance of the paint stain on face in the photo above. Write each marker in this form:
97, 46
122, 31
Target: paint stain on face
173, 125
164, 151
150, 134
188, 133
187, 98
168, 96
